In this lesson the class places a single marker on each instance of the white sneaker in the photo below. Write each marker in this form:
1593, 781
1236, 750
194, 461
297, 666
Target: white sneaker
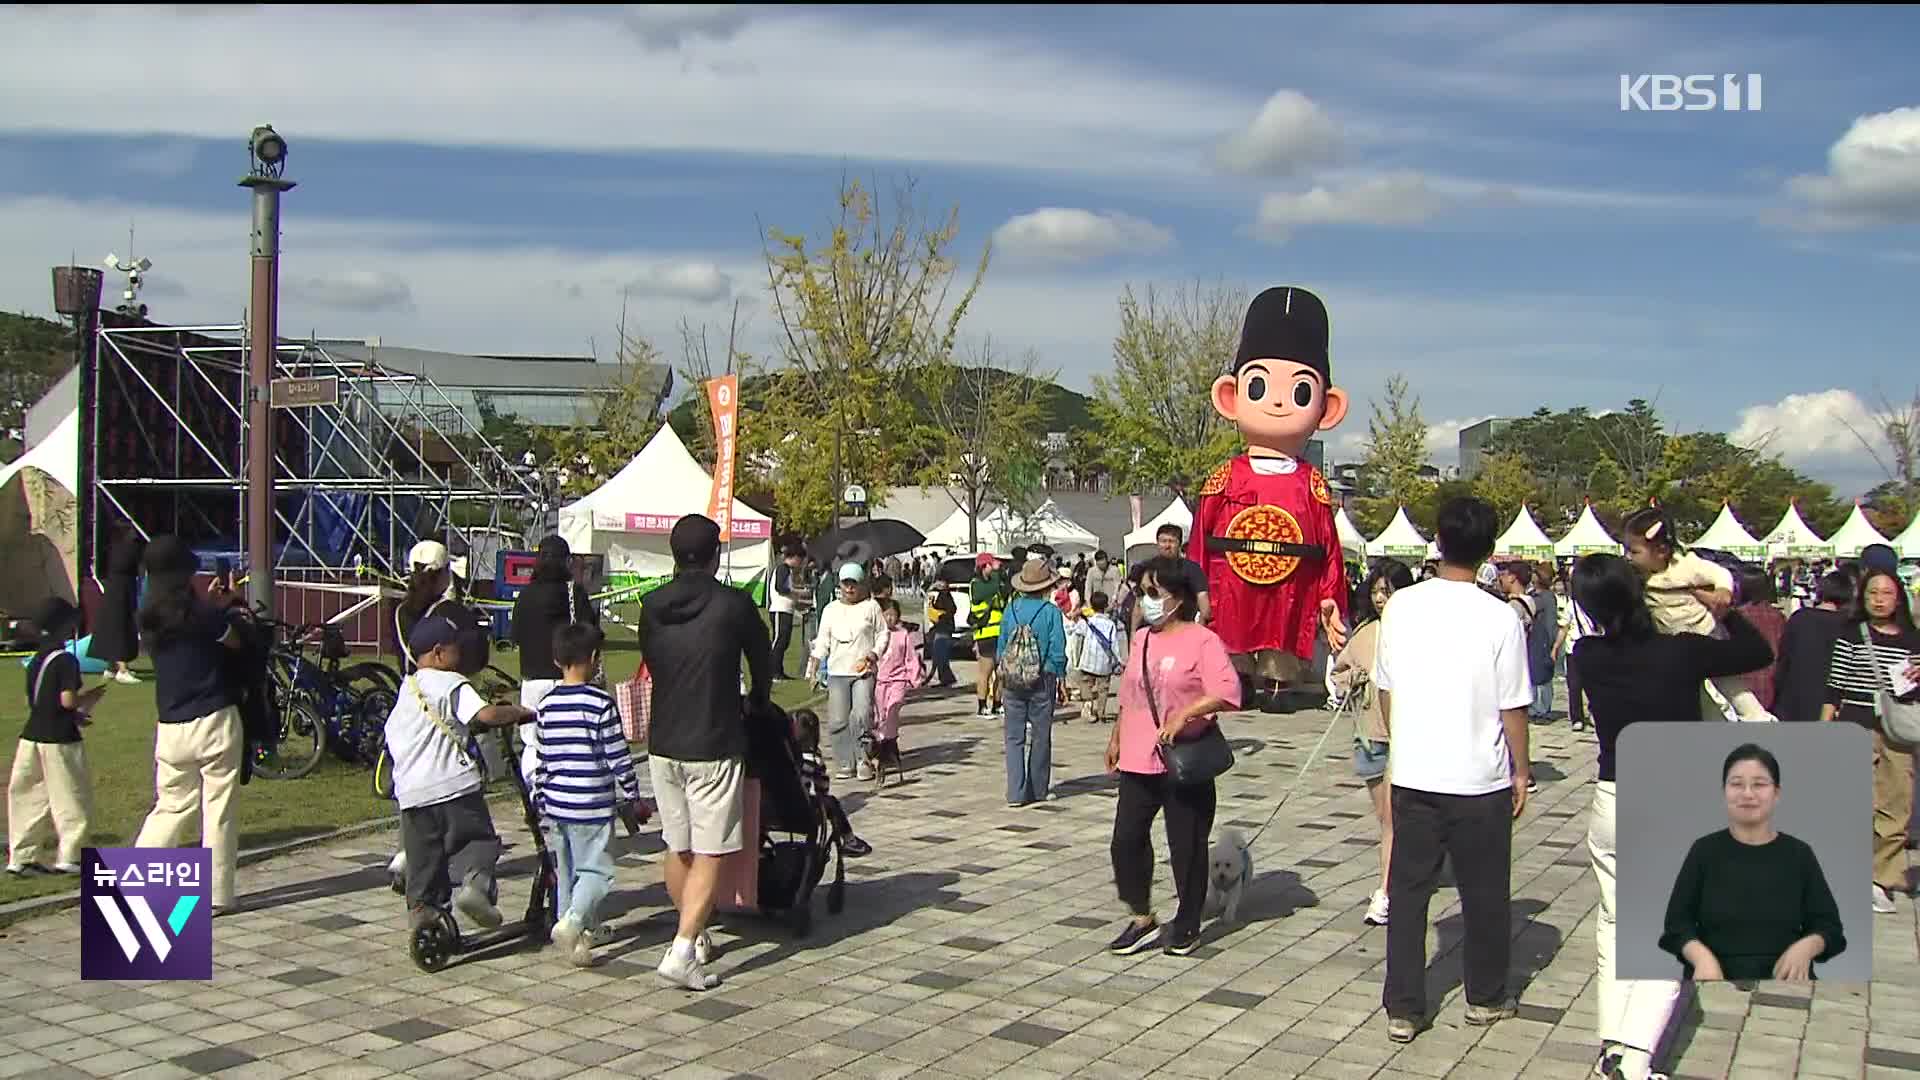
1377, 909
703, 948
398, 864
66, 868
474, 904
567, 932
581, 954
843, 774
865, 771
1883, 901
686, 971
126, 678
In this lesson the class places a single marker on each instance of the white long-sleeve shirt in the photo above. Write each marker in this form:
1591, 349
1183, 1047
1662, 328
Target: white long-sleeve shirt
848, 634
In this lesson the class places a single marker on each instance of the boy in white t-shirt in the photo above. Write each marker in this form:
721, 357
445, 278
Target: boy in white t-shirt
445, 828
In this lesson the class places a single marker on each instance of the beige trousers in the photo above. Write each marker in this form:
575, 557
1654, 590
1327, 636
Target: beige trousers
1633, 1012
196, 768
1892, 805
49, 793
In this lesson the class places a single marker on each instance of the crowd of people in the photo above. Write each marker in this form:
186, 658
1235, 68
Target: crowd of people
1443, 672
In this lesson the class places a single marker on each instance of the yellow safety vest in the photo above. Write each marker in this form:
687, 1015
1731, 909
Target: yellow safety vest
983, 617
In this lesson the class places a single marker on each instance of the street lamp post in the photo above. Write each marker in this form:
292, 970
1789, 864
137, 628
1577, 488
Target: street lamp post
268, 152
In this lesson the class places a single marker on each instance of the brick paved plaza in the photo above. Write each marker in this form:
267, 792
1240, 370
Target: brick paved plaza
973, 945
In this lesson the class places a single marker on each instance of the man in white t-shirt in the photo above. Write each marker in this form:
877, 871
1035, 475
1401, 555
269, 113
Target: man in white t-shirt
1451, 671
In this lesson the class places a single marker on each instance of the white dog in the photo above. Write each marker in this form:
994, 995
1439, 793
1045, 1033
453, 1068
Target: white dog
1229, 872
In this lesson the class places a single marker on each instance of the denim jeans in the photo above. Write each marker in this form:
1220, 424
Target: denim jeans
849, 716
1029, 726
1543, 700
942, 650
582, 868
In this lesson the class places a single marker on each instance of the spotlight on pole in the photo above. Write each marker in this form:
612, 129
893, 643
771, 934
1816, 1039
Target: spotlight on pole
269, 151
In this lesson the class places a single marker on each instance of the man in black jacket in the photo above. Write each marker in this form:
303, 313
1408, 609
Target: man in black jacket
693, 632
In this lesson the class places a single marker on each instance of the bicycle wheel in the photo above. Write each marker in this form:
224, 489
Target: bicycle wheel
303, 739
371, 712
366, 677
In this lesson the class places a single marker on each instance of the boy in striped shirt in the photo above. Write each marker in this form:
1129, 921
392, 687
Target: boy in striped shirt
584, 779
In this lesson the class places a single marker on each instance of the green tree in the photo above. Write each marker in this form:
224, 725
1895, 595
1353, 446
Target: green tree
986, 431
1606, 482
1893, 438
1506, 480
1396, 453
1154, 414
860, 316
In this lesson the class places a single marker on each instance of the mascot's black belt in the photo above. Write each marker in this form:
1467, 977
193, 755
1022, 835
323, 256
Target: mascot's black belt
1221, 545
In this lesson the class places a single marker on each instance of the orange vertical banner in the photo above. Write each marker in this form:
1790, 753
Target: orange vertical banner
723, 402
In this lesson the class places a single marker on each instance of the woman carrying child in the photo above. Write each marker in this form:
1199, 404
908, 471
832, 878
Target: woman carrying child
1684, 593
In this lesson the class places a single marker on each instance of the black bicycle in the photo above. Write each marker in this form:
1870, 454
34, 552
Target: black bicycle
324, 702
492, 685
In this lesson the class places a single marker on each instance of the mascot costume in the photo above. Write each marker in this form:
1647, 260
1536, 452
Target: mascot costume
1263, 530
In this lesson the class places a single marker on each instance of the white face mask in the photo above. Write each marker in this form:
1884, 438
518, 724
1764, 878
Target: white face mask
1154, 609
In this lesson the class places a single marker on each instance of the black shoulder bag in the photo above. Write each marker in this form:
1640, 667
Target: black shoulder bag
1190, 759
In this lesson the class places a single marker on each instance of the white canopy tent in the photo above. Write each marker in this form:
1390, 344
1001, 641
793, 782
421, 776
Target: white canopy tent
1050, 525
38, 518
1176, 513
1352, 541
1399, 540
997, 532
1855, 535
1728, 535
1524, 539
1908, 542
1793, 539
629, 517
1587, 537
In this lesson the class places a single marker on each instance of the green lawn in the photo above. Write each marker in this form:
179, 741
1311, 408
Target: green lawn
120, 752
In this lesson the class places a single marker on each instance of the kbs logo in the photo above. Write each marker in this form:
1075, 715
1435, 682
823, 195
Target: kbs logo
124, 892
1689, 93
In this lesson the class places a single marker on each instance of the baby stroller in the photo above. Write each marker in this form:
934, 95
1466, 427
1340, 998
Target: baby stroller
796, 837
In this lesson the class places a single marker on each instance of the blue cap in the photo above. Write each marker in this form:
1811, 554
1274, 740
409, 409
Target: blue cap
1880, 557
430, 633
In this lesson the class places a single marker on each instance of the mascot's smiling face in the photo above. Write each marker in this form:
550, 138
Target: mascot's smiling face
1279, 404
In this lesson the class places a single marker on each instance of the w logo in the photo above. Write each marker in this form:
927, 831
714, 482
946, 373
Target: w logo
149, 926
143, 914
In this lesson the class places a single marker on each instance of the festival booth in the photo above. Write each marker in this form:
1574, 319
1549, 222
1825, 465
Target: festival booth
1855, 535
1051, 526
1522, 540
1728, 535
1908, 542
1587, 537
1352, 543
628, 518
996, 529
1176, 513
1399, 540
38, 528
1793, 539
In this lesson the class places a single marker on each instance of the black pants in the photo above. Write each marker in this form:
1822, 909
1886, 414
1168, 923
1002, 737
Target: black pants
445, 841
942, 650
837, 816
1476, 832
1576, 708
1189, 812
782, 639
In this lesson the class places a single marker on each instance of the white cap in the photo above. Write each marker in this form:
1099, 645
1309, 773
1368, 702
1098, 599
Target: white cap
430, 554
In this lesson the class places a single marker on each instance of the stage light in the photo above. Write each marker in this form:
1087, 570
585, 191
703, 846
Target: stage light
269, 151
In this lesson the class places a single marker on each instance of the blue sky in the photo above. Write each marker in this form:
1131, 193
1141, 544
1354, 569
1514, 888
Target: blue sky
1459, 184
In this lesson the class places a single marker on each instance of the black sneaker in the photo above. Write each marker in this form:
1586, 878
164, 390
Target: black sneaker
1183, 942
1135, 938
855, 847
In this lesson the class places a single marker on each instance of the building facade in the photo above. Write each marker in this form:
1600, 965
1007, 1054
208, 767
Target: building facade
1474, 442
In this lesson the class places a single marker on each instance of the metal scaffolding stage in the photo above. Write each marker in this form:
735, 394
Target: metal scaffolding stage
391, 460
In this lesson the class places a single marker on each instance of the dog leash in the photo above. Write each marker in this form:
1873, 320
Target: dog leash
1344, 711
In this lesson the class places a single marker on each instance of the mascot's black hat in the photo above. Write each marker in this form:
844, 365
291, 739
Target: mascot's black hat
1285, 323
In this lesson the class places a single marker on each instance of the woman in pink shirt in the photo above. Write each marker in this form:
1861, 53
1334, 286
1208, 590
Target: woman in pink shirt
1179, 671
899, 672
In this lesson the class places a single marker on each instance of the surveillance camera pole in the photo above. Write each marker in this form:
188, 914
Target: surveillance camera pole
263, 336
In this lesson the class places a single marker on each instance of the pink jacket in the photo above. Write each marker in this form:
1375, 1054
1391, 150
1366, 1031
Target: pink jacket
900, 660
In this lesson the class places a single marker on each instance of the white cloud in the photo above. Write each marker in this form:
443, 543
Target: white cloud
1291, 134
1873, 174
1056, 234
670, 26
1816, 427
787, 81
699, 282
350, 290
1402, 198
1443, 438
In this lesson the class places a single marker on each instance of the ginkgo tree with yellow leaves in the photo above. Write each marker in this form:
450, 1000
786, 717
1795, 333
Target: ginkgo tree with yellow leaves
859, 314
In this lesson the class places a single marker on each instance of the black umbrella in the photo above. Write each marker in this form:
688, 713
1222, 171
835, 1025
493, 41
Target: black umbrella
876, 540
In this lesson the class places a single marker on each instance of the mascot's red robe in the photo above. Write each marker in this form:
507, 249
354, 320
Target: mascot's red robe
1268, 601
